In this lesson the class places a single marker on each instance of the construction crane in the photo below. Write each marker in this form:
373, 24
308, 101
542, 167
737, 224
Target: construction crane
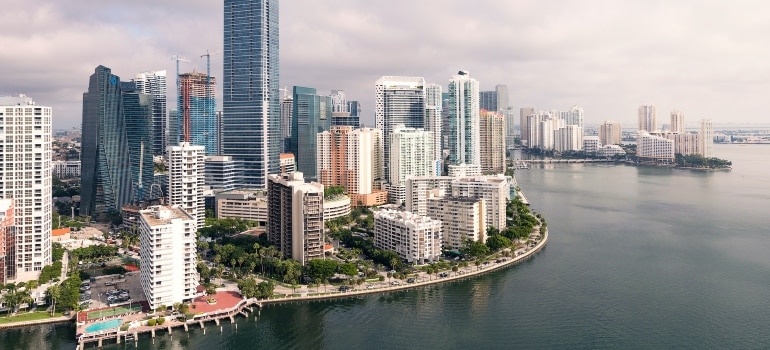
285, 91
179, 110
208, 96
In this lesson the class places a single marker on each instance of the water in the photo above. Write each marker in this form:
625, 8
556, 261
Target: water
638, 258
103, 326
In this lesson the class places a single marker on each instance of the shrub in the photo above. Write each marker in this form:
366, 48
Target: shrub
151, 322
161, 320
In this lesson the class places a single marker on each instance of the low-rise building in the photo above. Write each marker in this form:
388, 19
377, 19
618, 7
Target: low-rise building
415, 238
64, 169
243, 203
336, 207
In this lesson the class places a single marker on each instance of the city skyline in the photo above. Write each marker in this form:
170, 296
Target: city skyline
591, 54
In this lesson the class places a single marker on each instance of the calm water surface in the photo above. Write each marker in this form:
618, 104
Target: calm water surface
638, 258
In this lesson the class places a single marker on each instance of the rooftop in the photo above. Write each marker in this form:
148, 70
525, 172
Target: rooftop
163, 214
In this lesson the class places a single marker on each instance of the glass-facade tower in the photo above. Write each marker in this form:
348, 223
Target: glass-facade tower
138, 114
399, 101
197, 123
251, 120
311, 114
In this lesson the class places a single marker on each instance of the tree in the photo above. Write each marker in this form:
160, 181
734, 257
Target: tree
211, 289
455, 269
52, 294
249, 288
474, 249
349, 269
498, 242
322, 268
266, 289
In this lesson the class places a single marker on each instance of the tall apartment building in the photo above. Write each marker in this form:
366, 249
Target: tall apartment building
546, 128
349, 157
198, 119
677, 121
488, 100
568, 138
25, 136
7, 240
654, 148
398, 101
494, 190
684, 143
153, 83
419, 189
341, 110
464, 136
524, 125
575, 116
415, 238
492, 142
221, 173
461, 219
251, 120
610, 133
411, 154
706, 138
647, 118
167, 249
433, 122
295, 216
311, 115
186, 179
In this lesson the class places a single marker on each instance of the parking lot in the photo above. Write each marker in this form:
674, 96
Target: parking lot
105, 286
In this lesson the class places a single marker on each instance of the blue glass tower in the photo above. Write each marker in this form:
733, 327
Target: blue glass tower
198, 121
138, 116
251, 119
311, 114
105, 176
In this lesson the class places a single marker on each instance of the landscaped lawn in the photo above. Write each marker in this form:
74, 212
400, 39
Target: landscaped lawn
25, 316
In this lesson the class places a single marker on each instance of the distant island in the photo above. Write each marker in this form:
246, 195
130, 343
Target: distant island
697, 161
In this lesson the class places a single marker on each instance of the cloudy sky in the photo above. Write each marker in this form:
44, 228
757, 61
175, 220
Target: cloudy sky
710, 59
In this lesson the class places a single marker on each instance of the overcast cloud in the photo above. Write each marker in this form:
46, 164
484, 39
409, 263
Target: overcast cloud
710, 59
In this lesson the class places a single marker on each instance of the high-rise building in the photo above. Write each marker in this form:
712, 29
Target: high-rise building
221, 173
198, 120
575, 116
398, 101
568, 138
26, 179
154, 84
7, 240
251, 120
502, 97
510, 127
105, 173
524, 126
411, 154
677, 121
488, 100
654, 148
647, 118
168, 253
433, 122
186, 178
610, 133
547, 126
421, 188
706, 138
341, 110
311, 115
348, 157
494, 190
591, 144
295, 221
492, 143
137, 114
415, 238
339, 102
464, 138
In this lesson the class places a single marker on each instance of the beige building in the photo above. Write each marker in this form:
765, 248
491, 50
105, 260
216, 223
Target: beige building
186, 179
461, 219
421, 188
352, 158
654, 148
295, 216
647, 118
415, 238
492, 130
610, 133
243, 203
494, 190
677, 121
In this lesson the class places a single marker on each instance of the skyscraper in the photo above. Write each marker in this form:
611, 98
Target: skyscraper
610, 133
26, 180
341, 110
154, 84
575, 116
251, 121
677, 121
433, 122
105, 171
286, 113
137, 113
647, 118
502, 97
311, 115
524, 125
186, 178
492, 144
706, 137
398, 101
488, 100
198, 120
464, 138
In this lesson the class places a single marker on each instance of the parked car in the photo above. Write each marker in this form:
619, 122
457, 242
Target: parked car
410, 280
343, 288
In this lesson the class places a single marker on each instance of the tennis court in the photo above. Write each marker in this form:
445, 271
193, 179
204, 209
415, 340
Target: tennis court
112, 311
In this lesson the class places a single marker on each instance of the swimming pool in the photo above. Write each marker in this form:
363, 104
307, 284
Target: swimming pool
104, 325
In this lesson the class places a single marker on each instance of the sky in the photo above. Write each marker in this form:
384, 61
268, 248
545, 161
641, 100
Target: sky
711, 59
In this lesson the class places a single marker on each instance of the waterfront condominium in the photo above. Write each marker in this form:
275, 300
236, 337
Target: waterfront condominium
461, 219
568, 138
349, 157
677, 121
198, 121
494, 190
295, 221
610, 133
415, 238
398, 101
654, 148
433, 122
706, 138
167, 250
7, 250
311, 114
574, 116
647, 118
411, 154
464, 138
186, 178
251, 120
154, 84
492, 142
524, 125
25, 131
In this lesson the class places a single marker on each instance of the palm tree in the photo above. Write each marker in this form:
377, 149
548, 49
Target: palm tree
53, 293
